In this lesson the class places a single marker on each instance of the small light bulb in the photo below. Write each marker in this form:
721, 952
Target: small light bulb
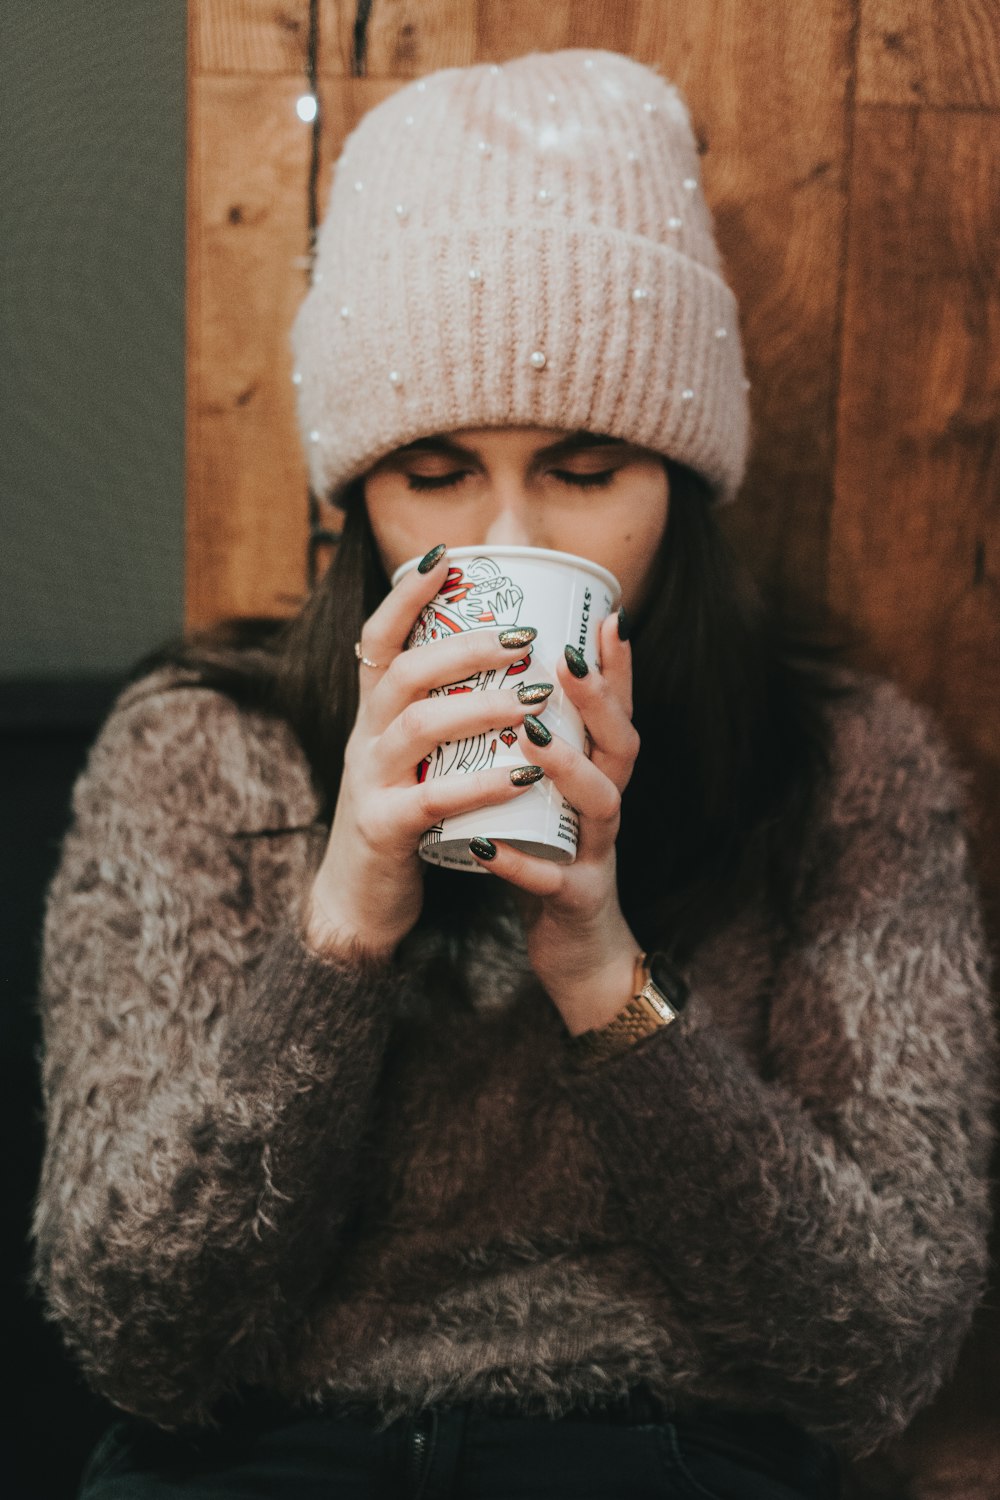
306, 107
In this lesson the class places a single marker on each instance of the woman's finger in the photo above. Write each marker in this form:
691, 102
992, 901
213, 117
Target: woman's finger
473, 660
616, 658
584, 785
486, 721
573, 885
395, 818
384, 633
539, 877
613, 736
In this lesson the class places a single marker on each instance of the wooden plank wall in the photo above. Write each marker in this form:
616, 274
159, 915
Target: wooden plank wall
851, 154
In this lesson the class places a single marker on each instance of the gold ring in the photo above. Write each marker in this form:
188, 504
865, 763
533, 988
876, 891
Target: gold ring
362, 658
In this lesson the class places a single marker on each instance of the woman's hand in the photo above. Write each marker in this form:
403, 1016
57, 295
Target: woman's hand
368, 890
579, 943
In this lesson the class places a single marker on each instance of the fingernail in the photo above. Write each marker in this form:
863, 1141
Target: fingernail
534, 692
575, 662
623, 624
526, 775
536, 731
482, 848
522, 635
433, 556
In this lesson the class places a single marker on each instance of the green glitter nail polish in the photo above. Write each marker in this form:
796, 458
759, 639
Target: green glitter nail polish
534, 692
431, 558
521, 635
536, 731
575, 661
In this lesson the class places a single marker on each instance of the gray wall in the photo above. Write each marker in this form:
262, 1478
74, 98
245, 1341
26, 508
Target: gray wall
92, 156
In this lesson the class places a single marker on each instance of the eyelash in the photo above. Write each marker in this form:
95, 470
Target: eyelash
598, 481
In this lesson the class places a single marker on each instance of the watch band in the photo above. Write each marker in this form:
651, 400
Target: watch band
660, 994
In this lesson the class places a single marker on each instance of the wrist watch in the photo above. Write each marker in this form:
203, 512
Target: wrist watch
660, 993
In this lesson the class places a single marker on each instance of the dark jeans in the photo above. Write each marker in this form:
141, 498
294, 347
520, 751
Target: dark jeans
456, 1453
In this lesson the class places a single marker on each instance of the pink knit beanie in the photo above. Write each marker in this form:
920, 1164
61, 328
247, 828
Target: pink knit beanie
525, 245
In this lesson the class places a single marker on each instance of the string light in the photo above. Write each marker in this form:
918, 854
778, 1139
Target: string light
307, 107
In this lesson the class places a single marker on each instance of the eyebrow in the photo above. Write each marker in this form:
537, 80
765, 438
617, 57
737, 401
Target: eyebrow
574, 442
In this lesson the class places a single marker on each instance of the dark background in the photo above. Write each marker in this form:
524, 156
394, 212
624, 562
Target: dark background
51, 1418
92, 170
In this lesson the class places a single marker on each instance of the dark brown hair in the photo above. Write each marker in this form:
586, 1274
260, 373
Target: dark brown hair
730, 701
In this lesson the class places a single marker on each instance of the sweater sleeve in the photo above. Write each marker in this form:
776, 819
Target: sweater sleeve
824, 1227
206, 1076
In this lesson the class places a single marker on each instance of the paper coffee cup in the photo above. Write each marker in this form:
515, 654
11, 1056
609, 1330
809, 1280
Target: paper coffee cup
565, 598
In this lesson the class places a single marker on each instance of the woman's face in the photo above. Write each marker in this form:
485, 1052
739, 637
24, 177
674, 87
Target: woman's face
534, 487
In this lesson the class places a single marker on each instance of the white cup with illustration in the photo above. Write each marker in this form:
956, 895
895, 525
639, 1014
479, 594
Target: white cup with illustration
565, 598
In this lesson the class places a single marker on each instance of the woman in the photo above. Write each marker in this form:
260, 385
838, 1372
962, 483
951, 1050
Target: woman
370, 1178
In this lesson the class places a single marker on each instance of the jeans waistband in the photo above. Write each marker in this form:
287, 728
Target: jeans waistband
765, 1440
771, 1442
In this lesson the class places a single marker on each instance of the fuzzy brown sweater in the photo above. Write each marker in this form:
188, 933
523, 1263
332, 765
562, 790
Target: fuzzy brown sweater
265, 1168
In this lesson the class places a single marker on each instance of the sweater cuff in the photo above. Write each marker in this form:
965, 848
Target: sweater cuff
692, 1019
297, 997
684, 1107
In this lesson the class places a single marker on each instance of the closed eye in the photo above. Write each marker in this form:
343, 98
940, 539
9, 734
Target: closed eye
585, 480
564, 476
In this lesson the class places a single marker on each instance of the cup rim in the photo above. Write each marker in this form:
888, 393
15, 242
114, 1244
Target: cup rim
514, 549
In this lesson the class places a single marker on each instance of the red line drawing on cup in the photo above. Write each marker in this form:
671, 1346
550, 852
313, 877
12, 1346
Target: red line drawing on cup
480, 597
494, 599
474, 599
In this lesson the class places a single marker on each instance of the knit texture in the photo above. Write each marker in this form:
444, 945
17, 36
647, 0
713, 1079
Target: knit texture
522, 245
328, 1180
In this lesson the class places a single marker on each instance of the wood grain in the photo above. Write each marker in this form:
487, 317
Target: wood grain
508, 28
247, 517
920, 52
768, 87
914, 542
249, 36
402, 38
915, 558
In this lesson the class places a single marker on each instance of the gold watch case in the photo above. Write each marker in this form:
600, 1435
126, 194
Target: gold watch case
658, 999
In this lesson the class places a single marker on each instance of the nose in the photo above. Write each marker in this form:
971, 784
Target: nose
510, 517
